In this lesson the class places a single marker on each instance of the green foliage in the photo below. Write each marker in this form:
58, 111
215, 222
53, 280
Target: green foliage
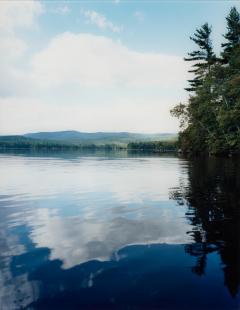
153, 146
210, 121
23, 143
233, 34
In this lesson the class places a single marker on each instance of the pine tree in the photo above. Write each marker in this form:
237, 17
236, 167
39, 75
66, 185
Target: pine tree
205, 55
232, 36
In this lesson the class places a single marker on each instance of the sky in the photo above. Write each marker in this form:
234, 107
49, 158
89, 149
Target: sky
98, 65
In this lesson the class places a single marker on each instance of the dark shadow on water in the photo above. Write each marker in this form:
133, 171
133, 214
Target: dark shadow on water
213, 200
136, 277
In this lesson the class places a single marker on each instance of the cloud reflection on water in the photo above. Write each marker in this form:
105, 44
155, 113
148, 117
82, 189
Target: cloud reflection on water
75, 241
81, 210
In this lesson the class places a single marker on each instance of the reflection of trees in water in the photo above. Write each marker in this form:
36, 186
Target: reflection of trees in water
213, 200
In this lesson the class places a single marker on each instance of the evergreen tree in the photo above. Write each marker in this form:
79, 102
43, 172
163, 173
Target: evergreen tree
204, 57
232, 36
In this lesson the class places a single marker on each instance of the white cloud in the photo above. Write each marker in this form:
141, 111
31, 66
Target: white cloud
91, 60
23, 114
139, 16
34, 91
100, 21
60, 89
15, 14
62, 10
11, 48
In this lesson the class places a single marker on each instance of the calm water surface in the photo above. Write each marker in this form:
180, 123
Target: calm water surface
119, 231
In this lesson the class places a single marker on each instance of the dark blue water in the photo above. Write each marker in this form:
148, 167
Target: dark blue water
119, 231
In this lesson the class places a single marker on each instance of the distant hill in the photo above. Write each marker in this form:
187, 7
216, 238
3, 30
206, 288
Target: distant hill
73, 140
97, 138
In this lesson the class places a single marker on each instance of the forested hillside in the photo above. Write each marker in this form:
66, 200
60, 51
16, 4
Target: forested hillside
99, 138
210, 120
74, 140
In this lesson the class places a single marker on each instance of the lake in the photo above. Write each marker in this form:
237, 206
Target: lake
119, 231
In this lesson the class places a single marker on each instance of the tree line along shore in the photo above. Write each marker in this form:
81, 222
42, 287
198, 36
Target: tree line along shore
19, 143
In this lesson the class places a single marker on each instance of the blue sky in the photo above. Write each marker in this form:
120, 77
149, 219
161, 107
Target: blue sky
98, 65
160, 26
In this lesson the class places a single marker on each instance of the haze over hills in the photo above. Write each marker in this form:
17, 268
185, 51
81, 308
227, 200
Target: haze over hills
77, 137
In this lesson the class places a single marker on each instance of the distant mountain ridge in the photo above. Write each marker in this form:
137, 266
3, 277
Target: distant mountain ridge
72, 136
